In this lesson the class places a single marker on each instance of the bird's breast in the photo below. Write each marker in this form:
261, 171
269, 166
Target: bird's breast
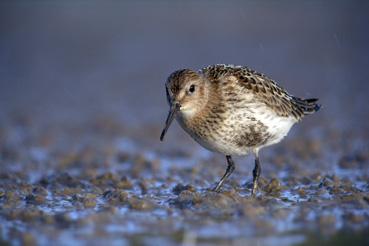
233, 132
237, 130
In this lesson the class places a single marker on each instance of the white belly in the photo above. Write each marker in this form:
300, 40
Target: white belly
237, 123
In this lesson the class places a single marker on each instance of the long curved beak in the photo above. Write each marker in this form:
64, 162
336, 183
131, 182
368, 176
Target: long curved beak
172, 111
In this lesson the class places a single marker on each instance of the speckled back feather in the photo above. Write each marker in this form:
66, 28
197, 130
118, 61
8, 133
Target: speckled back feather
264, 89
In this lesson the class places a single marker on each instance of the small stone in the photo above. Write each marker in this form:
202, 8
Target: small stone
180, 187
187, 195
12, 196
71, 191
67, 180
90, 196
35, 199
143, 187
326, 182
316, 177
140, 204
124, 184
115, 197
273, 187
301, 192
89, 203
39, 190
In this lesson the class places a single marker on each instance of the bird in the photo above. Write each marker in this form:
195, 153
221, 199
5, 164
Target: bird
233, 110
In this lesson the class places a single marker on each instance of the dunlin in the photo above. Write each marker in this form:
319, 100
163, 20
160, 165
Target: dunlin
233, 110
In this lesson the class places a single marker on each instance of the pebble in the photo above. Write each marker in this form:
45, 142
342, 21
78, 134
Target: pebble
140, 204
274, 187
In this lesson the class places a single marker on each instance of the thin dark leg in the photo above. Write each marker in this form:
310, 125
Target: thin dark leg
256, 174
230, 169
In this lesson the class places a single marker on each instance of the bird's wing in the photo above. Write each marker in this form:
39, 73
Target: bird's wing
264, 89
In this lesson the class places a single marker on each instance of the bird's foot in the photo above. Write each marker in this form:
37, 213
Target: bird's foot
254, 188
215, 190
217, 187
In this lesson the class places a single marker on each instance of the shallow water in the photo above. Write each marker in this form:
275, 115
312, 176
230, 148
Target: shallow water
83, 107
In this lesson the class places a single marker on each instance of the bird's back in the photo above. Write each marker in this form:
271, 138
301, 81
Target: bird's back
263, 90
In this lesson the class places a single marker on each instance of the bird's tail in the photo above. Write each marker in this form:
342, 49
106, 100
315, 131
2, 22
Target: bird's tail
308, 106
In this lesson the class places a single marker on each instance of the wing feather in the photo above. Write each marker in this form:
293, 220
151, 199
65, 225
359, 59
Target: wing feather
264, 89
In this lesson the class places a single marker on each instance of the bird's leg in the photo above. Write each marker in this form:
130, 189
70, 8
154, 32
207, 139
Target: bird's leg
256, 174
230, 169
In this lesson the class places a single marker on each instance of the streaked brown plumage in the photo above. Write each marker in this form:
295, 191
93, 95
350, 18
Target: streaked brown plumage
233, 110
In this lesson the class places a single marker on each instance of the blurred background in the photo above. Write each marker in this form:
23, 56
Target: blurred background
72, 60
82, 104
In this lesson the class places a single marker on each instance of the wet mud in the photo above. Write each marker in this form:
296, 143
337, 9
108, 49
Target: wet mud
94, 184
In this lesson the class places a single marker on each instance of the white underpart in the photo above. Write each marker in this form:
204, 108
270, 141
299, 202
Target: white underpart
278, 126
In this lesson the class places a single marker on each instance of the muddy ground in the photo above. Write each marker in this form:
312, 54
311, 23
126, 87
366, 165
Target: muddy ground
97, 184
83, 103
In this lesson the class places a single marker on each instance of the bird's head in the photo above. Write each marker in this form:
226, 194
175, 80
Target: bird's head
187, 94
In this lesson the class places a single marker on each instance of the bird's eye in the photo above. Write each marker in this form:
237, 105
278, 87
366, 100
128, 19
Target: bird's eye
192, 89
